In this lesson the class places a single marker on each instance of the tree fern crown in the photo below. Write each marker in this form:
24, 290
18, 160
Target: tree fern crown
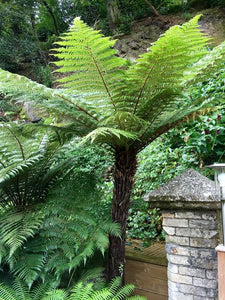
105, 99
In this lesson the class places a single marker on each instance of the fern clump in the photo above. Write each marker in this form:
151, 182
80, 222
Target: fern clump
80, 291
47, 225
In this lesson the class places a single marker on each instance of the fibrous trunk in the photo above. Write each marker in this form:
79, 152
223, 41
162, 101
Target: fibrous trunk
125, 169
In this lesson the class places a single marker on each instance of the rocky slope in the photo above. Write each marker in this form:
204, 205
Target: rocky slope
145, 32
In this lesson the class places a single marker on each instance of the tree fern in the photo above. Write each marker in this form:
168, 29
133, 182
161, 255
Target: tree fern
107, 101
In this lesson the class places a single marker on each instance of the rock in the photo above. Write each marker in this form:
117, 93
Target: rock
32, 112
133, 45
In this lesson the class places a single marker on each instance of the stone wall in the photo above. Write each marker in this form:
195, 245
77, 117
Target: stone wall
191, 238
191, 220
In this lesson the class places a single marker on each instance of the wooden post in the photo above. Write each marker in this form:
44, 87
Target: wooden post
221, 271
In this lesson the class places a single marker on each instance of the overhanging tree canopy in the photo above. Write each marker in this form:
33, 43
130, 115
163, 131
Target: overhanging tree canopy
106, 101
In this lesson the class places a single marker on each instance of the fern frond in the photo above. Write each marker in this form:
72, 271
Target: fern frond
38, 292
94, 66
16, 227
29, 267
55, 101
102, 94
81, 292
207, 66
7, 293
27, 168
55, 295
21, 290
124, 292
155, 80
110, 136
114, 291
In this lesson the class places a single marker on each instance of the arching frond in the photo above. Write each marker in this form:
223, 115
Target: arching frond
202, 70
102, 94
21, 290
17, 226
7, 293
110, 136
91, 66
55, 101
27, 165
113, 291
154, 82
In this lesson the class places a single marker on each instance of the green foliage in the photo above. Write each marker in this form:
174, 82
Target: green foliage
58, 238
202, 139
27, 165
128, 94
126, 107
8, 109
47, 234
145, 225
80, 291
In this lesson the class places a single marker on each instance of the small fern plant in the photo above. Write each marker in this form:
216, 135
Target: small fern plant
105, 100
80, 291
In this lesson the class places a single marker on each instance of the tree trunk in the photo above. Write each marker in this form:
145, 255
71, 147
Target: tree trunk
125, 169
113, 13
154, 10
54, 19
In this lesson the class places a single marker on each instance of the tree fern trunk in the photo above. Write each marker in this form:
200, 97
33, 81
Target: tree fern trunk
125, 169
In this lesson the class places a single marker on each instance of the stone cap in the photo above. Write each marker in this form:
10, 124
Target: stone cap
189, 190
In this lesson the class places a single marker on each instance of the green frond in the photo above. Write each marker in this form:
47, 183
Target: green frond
21, 290
27, 165
124, 292
125, 121
28, 267
114, 291
38, 292
69, 234
111, 136
81, 292
54, 101
207, 66
7, 293
155, 79
94, 66
115, 285
108, 101
17, 226
56, 295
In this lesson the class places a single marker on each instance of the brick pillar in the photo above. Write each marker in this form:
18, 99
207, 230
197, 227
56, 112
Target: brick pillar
191, 216
191, 238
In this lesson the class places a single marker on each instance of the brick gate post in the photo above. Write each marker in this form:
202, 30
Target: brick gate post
191, 219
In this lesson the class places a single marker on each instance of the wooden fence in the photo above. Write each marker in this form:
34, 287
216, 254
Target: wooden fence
146, 268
